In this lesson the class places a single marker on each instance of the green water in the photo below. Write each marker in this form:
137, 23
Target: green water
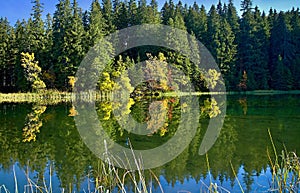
243, 141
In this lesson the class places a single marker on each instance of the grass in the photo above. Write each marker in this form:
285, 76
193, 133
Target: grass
107, 178
285, 170
104, 178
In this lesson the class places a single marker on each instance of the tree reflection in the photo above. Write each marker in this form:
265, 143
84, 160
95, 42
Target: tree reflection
243, 139
33, 123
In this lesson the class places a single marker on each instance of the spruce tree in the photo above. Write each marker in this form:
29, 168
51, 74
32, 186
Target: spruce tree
121, 18
47, 56
213, 31
37, 30
167, 11
68, 33
281, 50
233, 18
8, 56
22, 44
107, 11
196, 21
97, 26
132, 13
261, 38
295, 68
246, 50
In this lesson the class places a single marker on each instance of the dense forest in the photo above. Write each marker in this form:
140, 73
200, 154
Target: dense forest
254, 51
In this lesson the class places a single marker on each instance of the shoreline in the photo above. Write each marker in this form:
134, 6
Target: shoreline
53, 97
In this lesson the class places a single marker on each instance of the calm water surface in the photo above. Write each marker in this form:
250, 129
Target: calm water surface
41, 142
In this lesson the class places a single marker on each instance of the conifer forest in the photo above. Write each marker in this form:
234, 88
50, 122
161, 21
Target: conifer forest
255, 50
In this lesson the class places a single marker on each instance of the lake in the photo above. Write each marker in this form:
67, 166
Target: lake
40, 144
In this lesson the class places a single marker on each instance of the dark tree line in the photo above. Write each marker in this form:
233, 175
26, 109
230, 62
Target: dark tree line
256, 50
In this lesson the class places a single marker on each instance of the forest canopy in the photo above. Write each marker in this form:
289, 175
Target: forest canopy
254, 51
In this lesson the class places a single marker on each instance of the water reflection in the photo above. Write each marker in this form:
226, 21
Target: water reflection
243, 141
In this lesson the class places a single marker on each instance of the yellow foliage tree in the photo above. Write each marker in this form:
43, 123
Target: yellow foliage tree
32, 71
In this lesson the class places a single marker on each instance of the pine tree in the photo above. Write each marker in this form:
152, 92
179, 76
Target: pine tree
246, 6
76, 34
147, 13
68, 34
121, 18
8, 56
154, 15
213, 31
233, 18
282, 77
142, 12
107, 11
22, 44
261, 37
167, 11
295, 68
246, 49
196, 21
132, 13
281, 50
47, 56
37, 30
97, 26
226, 52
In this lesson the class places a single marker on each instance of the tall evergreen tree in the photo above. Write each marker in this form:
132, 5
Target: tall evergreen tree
281, 50
47, 56
295, 68
23, 44
97, 26
261, 37
121, 18
246, 6
37, 30
107, 11
246, 51
67, 38
8, 55
233, 18
167, 11
132, 13
213, 30
226, 51
196, 21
